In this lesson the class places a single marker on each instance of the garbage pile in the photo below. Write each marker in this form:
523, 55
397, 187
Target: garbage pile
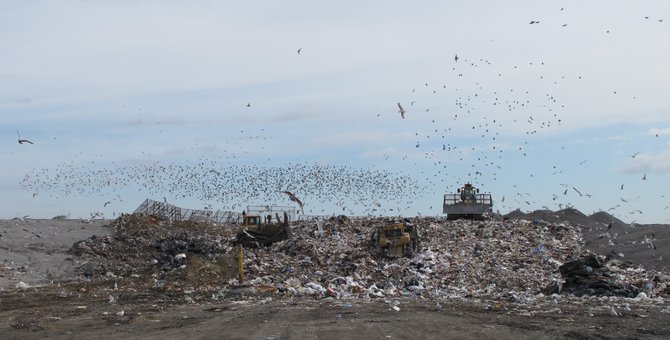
145, 244
598, 275
337, 258
589, 276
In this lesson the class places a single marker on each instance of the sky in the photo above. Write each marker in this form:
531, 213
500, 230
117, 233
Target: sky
210, 104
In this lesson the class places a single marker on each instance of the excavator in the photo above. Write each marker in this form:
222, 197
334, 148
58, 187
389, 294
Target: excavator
467, 203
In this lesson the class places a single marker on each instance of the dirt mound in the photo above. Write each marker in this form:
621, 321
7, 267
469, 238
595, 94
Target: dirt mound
568, 216
605, 234
515, 214
604, 218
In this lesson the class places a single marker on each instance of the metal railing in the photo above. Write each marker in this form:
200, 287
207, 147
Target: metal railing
175, 213
485, 199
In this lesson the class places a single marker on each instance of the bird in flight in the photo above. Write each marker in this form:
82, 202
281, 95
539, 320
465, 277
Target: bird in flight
402, 111
106, 203
644, 178
249, 104
22, 141
292, 197
534, 22
300, 49
456, 57
635, 154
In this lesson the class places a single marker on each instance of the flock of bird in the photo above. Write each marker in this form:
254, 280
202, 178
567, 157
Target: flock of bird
473, 101
235, 186
482, 108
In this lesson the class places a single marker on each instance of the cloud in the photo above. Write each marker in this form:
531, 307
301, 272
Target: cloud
660, 132
654, 163
349, 138
377, 153
294, 116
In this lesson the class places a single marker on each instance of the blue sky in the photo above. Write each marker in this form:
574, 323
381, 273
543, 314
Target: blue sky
528, 110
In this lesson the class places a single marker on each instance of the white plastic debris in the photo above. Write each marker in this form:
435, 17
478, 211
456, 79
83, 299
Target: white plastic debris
23, 285
612, 311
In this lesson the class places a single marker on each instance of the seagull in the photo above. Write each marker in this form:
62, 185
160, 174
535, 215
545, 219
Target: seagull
292, 197
635, 154
402, 111
612, 311
106, 203
456, 57
22, 141
580, 194
249, 104
644, 178
300, 49
621, 186
534, 22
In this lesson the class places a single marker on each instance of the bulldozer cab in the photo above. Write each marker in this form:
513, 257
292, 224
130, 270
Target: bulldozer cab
468, 193
251, 220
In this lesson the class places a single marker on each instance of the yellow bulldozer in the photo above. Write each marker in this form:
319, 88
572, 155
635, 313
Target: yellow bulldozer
397, 239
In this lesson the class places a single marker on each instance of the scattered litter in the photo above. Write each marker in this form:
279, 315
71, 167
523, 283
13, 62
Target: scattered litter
513, 259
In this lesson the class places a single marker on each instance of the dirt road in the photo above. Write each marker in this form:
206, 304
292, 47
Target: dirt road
73, 312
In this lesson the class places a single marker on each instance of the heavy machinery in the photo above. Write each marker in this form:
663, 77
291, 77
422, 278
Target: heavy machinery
467, 203
396, 239
257, 230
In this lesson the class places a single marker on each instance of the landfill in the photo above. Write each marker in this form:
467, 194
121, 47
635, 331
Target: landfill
515, 260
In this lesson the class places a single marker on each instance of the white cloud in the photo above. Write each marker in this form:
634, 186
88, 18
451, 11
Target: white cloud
643, 162
356, 137
660, 132
380, 153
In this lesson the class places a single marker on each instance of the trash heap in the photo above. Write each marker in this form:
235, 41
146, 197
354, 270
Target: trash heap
144, 244
338, 258
597, 275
